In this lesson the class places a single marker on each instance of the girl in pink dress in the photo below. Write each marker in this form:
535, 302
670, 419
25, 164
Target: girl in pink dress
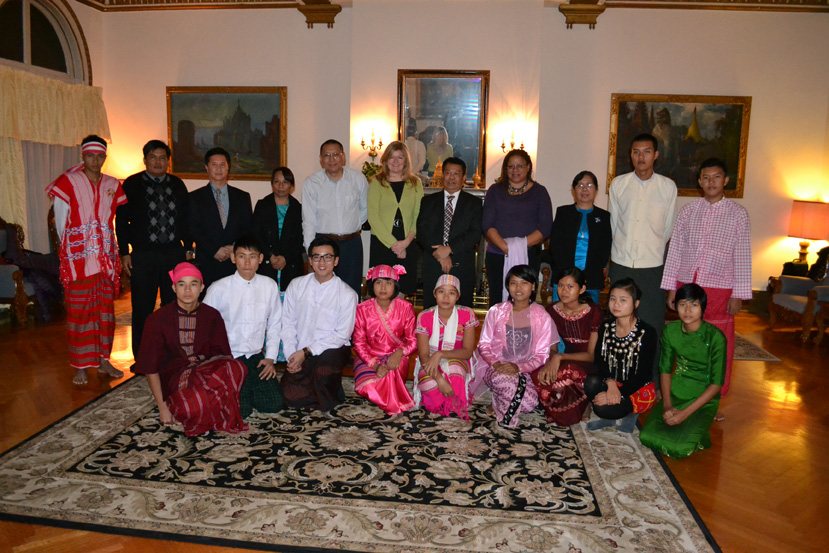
515, 342
445, 342
383, 339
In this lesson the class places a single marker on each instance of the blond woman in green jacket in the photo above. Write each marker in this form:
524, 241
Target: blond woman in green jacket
394, 196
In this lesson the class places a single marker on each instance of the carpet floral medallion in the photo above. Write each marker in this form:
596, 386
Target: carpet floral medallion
351, 480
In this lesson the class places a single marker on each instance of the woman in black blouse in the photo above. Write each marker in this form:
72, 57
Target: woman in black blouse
624, 357
581, 235
277, 225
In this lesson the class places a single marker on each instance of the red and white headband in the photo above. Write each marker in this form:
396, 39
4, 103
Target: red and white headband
94, 148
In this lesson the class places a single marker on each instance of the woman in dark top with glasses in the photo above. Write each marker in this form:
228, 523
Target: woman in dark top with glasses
581, 235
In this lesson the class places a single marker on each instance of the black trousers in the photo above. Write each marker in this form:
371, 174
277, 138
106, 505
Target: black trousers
593, 386
149, 275
350, 267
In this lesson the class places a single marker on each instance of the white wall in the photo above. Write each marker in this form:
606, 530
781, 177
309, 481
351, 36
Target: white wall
144, 52
91, 21
550, 84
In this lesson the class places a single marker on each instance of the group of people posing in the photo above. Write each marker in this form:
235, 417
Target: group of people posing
246, 260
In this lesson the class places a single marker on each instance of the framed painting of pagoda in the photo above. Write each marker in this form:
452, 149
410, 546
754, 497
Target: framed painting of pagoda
689, 129
249, 122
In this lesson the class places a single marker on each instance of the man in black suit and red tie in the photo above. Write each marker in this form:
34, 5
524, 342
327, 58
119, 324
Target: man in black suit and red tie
448, 229
219, 214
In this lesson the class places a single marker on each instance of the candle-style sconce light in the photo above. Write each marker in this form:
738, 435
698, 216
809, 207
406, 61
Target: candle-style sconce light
373, 150
511, 144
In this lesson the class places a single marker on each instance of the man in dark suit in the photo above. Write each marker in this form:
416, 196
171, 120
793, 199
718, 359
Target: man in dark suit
449, 228
155, 222
219, 214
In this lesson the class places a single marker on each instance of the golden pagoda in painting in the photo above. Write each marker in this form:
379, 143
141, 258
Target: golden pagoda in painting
693, 130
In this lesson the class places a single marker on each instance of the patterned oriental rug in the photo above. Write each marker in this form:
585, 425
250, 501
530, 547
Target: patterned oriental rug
354, 480
744, 350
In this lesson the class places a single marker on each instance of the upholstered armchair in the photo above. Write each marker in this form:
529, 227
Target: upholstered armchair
795, 299
13, 289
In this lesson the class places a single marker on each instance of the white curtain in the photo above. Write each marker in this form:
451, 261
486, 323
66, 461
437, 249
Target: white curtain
37, 109
42, 164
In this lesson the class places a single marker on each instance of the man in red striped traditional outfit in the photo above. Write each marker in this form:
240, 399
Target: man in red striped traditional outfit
186, 357
90, 269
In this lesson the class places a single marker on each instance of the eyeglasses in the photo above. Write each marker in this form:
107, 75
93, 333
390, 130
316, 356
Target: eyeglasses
324, 257
334, 155
585, 185
518, 167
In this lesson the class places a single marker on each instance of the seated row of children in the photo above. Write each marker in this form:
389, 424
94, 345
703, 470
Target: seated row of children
566, 358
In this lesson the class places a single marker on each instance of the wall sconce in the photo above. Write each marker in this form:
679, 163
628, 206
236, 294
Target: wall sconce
511, 144
810, 221
373, 151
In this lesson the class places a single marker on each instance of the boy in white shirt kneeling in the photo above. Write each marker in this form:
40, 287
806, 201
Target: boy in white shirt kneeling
252, 312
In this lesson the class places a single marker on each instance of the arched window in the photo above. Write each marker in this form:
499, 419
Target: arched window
44, 37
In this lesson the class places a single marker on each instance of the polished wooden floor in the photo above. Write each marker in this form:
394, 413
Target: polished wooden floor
762, 487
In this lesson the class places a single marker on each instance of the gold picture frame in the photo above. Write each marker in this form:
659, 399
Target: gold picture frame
250, 122
689, 129
454, 100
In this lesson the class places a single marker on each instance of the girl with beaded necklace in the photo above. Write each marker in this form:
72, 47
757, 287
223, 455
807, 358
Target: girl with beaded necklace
623, 386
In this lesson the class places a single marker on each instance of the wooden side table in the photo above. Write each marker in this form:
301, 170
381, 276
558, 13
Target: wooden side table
821, 319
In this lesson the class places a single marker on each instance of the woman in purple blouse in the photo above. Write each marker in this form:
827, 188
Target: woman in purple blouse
517, 218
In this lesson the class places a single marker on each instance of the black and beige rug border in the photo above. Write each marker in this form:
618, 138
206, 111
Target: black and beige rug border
631, 501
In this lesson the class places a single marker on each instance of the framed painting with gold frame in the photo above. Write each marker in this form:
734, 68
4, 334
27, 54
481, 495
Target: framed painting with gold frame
689, 130
430, 101
250, 122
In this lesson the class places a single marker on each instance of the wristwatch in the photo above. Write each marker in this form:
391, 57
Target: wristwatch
307, 352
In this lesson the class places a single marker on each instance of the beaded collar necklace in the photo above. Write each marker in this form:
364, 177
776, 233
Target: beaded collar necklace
621, 353
515, 191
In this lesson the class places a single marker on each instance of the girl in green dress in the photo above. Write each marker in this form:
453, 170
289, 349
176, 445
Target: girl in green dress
678, 426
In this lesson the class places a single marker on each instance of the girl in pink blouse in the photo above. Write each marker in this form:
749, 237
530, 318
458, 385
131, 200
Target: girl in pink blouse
515, 342
384, 339
445, 342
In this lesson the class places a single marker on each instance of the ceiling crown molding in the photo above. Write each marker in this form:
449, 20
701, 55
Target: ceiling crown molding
315, 11
586, 12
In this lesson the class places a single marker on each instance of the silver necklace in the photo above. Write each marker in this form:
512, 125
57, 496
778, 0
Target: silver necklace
513, 190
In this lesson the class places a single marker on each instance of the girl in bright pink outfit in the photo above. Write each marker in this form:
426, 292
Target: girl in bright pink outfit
445, 342
384, 339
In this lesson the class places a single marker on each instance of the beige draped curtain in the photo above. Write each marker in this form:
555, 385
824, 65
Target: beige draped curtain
43, 110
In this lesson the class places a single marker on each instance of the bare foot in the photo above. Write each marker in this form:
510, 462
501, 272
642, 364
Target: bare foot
587, 412
80, 378
719, 417
106, 368
490, 411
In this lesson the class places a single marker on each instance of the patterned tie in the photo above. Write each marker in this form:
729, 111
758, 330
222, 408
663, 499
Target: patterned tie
221, 206
447, 219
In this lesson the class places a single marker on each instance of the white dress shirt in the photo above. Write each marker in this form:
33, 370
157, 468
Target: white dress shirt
317, 316
641, 218
333, 207
250, 309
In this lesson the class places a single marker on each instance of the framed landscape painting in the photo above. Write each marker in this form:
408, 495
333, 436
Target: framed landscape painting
689, 130
250, 122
